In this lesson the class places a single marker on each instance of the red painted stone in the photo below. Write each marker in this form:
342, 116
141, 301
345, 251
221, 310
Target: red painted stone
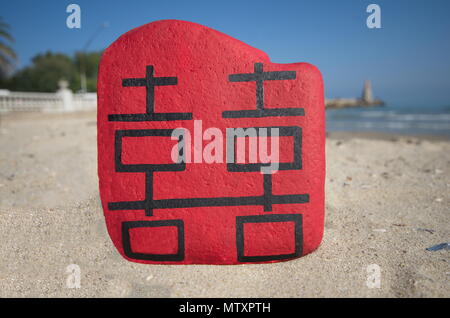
169, 74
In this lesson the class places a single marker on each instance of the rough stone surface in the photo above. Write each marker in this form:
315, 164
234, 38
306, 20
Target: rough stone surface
171, 74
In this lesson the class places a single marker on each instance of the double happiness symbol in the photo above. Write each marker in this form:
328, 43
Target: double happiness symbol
208, 153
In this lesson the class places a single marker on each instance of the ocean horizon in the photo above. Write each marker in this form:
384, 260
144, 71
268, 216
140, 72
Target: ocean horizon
432, 120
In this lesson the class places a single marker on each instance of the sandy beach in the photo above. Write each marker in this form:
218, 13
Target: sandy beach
387, 200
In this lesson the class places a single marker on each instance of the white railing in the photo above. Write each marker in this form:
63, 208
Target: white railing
86, 101
62, 100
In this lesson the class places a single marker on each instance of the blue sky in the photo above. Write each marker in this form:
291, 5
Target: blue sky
408, 59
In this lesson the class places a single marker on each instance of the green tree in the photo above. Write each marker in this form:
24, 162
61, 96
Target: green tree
7, 54
44, 73
47, 69
88, 63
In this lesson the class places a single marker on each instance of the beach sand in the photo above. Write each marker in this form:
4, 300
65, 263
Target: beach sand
387, 200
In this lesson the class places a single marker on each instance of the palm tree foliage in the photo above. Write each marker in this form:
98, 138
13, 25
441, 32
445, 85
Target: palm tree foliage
7, 54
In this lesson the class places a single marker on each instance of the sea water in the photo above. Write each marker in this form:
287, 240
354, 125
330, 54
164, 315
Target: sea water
431, 120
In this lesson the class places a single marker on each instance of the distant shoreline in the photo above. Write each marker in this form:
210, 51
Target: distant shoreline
340, 103
334, 134
371, 135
